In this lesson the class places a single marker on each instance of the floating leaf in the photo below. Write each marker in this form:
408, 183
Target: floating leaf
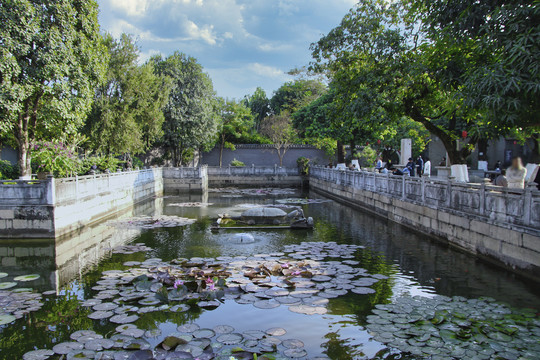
67, 347
230, 339
7, 285
41, 354
30, 277
6, 319
308, 310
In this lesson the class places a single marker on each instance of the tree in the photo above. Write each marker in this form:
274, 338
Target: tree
279, 129
259, 105
236, 125
127, 114
51, 59
190, 115
386, 64
294, 95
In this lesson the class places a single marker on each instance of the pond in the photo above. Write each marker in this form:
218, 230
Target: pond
157, 277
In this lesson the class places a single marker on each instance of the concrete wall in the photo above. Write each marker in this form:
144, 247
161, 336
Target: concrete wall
488, 221
265, 155
254, 176
185, 180
86, 199
27, 208
56, 207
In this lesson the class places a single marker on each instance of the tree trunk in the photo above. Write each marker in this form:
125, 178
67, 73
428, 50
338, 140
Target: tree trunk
221, 153
455, 156
25, 160
340, 152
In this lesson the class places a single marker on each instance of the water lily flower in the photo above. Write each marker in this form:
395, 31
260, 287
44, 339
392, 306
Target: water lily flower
210, 284
177, 283
285, 266
297, 272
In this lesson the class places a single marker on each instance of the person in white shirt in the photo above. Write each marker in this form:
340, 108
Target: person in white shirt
427, 168
515, 174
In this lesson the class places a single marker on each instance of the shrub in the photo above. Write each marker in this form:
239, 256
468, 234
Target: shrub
54, 157
237, 163
8, 171
367, 157
303, 165
102, 163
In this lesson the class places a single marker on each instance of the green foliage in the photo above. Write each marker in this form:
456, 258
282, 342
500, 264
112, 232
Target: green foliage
8, 171
366, 157
236, 125
294, 95
54, 157
259, 105
390, 60
102, 163
191, 121
51, 59
127, 114
279, 129
238, 163
303, 165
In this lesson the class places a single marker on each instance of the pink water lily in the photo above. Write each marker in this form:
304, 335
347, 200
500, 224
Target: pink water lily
210, 284
178, 283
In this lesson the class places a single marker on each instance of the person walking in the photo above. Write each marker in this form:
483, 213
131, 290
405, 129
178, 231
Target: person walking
515, 174
419, 166
427, 168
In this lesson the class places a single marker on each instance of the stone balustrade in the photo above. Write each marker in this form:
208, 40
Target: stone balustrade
500, 224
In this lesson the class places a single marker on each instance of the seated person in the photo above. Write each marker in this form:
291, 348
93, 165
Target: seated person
501, 180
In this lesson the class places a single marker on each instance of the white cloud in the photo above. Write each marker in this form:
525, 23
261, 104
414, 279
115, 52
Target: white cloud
205, 33
266, 71
130, 7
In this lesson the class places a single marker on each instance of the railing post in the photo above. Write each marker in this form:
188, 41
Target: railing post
230, 173
449, 193
253, 169
403, 187
482, 206
527, 202
275, 169
423, 190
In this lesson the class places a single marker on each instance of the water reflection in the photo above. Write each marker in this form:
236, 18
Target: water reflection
60, 260
415, 265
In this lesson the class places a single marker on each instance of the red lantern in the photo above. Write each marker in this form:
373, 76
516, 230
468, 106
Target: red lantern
464, 134
379, 142
367, 143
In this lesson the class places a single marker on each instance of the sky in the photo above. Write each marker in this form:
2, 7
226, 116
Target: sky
242, 44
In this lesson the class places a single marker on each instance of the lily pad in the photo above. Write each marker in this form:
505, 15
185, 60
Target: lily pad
223, 329
123, 319
276, 331
41, 354
7, 285
6, 319
30, 277
67, 347
308, 310
188, 328
98, 315
293, 344
3, 274
230, 339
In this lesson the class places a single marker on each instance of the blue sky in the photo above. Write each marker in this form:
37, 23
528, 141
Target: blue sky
242, 44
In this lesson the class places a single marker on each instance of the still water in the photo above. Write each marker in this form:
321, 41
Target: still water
414, 264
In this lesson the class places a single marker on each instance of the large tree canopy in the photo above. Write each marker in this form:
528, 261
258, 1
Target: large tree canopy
51, 59
235, 125
385, 64
190, 115
294, 95
259, 105
127, 114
